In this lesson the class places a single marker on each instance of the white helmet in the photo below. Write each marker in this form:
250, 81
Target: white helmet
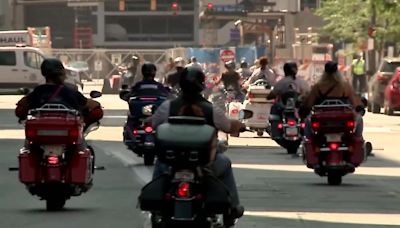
179, 62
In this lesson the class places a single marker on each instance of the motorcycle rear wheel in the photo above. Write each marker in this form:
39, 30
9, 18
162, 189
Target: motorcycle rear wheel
148, 158
334, 179
55, 203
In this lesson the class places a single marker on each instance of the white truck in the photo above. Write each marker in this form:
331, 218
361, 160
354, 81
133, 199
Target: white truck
33, 37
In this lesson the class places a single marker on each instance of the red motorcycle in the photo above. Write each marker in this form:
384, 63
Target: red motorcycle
55, 163
333, 149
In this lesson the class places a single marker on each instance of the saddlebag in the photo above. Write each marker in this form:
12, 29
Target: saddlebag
218, 198
152, 194
311, 156
358, 154
185, 144
28, 166
80, 167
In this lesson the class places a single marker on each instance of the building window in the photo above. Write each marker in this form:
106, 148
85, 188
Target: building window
8, 58
145, 5
309, 4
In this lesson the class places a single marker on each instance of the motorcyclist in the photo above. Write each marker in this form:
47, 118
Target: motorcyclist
263, 72
172, 80
54, 91
194, 63
332, 85
231, 79
289, 86
191, 103
244, 70
148, 86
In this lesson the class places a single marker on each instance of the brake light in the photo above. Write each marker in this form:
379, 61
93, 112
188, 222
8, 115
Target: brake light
148, 129
280, 125
350, 124
315, 125
148, 98
333, 146
52, 160
135, 132
303, 125
291, 123
183, 190
234, 111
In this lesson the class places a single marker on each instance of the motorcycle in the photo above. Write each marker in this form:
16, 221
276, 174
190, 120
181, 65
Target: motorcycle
256, 101
333, 149
287, 130
55, 164
189, 195
138, 135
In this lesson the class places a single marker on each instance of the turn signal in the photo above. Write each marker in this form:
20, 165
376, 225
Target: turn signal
135, 132
280, 125
291, 123
350, 124
315, 125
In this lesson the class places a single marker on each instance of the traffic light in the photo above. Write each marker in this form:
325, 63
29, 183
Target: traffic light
175, 7
121, 5
210, 6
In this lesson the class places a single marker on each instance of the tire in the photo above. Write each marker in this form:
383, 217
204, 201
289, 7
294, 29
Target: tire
148, 157
376, 108
260, 133
368, 148
292, 149
388, 111
334, 179
55, 203
369, 108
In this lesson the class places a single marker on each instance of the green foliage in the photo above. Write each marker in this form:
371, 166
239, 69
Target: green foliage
349, 20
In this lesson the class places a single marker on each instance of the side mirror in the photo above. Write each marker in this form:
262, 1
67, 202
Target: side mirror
123, 95
24, 91
245, 114
124, 87
95, 94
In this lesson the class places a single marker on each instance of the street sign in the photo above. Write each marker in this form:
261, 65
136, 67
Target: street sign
235, 35
227, 55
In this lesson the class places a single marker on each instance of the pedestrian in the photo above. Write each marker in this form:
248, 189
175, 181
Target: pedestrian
358, 72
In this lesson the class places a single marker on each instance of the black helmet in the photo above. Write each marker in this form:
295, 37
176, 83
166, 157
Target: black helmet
192, 80
52, 68
230, 64
244, 64
290, 69
149, 70
331, 67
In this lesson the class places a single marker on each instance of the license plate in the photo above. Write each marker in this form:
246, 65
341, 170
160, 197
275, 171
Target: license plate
292, 131
52, 132
53, 149
184, 175
333, 137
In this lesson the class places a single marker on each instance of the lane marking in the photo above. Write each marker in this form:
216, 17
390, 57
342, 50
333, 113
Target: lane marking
348, 218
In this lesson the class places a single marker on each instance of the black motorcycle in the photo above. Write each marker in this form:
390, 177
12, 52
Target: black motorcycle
138, 134
287, 130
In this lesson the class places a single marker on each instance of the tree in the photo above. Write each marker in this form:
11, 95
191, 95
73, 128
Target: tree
348, 21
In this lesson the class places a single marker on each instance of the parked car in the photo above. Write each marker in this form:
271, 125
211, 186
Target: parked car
83, 69
392, 94
378, 82
73, 77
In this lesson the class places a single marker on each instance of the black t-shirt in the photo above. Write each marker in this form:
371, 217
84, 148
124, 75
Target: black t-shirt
173, 79
71, 98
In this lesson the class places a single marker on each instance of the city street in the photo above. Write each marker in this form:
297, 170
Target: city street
276, 189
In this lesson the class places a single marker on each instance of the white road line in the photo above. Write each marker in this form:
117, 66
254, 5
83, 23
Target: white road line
377, 130
114, 117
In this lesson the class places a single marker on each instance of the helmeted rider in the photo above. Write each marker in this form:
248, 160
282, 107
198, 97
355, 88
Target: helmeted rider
192, 103
332, 86
172, 80
55, 91
288, 87
244, 70
194, 63
263, 72
231, 79
148, 86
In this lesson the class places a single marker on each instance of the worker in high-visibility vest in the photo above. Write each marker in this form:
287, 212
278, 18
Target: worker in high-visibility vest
358, 72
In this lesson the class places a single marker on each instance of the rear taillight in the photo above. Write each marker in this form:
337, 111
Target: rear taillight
315, 125
333, 146
291, 123
53, 160
148, 98
234, 111
280, 125
183, 190
350, 124
135, 132
148, 129
303, 125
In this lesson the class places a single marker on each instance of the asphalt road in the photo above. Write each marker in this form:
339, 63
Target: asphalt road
276, 189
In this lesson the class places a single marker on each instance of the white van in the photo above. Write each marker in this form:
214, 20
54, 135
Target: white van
20, 68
